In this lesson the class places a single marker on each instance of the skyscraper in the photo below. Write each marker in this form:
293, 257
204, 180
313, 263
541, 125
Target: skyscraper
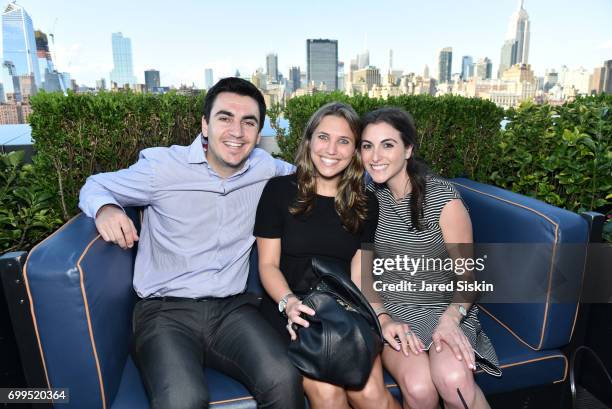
340, 76
519, 31
122, 72
51, 79
322, 63
607, 77
294, 77
18, 41
484, 69
369, 76
445, 63
101, 84
66, 80
152, 80
363, 60
12, 88
508, 56
272, 67
27, 85
208, 78
466, 63
42, 53
551, 77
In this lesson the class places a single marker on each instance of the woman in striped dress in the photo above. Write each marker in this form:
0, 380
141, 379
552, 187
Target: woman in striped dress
435, 339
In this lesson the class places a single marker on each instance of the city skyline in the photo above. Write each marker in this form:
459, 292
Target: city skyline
562, 33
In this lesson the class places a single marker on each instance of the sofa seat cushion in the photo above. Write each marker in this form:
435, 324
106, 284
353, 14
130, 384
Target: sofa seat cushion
522, 367
225, 392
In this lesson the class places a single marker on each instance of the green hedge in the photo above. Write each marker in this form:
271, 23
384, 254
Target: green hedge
81, 134
453, 131
27, 212
559, 154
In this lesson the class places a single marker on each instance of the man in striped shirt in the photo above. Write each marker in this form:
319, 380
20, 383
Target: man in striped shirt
193, 256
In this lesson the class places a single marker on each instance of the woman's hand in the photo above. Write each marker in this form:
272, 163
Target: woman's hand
293, 310
399, 336
449, 332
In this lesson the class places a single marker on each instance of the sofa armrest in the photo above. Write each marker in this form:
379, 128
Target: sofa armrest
555, 242
81, 300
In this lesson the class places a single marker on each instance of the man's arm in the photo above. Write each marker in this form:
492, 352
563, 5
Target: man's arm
104, 195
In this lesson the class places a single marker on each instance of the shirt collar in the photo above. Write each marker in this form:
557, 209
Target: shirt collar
196, 150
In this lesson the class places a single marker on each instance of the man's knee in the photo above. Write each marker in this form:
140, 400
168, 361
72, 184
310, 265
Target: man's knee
282, 377
180, 397
293, 379
280, 387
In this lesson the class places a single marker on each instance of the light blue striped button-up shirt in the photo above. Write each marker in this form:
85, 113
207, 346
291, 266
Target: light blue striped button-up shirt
197, 229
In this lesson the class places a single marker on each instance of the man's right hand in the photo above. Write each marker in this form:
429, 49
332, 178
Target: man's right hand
115, 226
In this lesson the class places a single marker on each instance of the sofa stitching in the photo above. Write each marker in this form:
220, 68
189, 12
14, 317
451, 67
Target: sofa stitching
579, 296
31, 299
88, 317
219, 402
529, 361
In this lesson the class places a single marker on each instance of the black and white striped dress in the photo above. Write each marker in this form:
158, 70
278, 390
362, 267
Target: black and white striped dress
422, 309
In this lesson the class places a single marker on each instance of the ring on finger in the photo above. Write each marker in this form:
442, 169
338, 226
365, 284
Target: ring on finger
408, 333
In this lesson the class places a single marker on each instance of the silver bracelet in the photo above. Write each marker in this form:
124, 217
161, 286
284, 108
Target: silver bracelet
381, 310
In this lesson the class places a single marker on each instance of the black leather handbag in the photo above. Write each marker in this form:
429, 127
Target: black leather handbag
344, 336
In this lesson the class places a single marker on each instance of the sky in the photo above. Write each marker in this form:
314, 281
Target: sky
181, 38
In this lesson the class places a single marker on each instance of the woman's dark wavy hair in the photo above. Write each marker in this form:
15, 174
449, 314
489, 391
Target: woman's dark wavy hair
416, 168
350, 201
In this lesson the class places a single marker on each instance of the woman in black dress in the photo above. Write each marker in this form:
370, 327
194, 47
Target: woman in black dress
321, 210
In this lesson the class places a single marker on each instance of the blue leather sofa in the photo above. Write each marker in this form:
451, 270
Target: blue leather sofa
81, 298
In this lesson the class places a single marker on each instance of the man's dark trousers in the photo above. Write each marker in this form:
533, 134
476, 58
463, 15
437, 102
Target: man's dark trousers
174, 339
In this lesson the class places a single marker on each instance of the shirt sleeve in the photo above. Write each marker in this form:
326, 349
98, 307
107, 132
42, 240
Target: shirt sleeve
269, 217
440, 192
369, 227
127, 187
283, 168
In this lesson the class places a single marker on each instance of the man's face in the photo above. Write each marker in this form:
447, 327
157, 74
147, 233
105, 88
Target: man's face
232, 131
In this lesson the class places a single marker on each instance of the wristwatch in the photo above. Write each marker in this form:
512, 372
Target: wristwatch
282, 304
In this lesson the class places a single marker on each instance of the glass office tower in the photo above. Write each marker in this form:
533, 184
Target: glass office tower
122, 72
322, 63
18, 42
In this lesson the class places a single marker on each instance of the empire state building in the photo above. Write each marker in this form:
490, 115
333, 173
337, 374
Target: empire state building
518, 30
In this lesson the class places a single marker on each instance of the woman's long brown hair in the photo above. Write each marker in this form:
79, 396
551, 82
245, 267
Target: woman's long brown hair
350, 201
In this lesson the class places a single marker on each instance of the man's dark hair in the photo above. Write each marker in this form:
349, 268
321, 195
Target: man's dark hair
236, 86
